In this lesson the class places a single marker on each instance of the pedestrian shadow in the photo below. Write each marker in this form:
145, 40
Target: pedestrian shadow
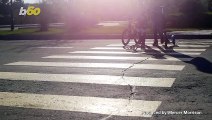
200, 63
154, 53
149, 51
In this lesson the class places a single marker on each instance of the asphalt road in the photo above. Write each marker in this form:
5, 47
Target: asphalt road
99, 80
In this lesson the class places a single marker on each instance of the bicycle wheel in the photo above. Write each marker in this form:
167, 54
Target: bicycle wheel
126, 37
136, 38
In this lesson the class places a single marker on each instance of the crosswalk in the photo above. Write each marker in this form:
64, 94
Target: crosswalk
120, 107
114, 57
191, 46
129, 53
95, 79
98, 65
176, 50
55, 47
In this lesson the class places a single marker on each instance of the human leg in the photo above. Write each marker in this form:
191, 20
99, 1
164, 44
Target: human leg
155, 37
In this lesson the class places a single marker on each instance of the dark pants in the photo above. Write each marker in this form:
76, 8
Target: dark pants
156, 32
165, 38
142, 39
162, 35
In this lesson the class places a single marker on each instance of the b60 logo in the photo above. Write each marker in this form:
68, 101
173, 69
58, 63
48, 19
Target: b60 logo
31, 10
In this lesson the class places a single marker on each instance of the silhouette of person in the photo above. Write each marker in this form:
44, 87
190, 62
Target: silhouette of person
141, 26
158, 22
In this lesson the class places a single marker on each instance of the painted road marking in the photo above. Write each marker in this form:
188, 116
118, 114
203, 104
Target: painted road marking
195, 43
183, 44
100, 65
102, 52
181, 40
107, 48
108, 106
131, 53
116, 58
91, 79
168, 50
55, 47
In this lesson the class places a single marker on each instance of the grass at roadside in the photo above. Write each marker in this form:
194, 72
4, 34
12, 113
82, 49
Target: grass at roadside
99, 30
32, 31
96, 30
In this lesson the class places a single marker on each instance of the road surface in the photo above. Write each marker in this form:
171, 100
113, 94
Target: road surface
99, 80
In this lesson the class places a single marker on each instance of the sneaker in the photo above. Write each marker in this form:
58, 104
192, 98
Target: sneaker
168, 41
126, 47
162, 41
143, 47
155, 44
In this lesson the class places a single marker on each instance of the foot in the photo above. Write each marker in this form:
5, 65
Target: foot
134, 48
143, 47
126, 47
168, 42
174, 42
155, 44
162, 41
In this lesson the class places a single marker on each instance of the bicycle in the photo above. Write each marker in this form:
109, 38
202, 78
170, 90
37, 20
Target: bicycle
138, 34
130, 33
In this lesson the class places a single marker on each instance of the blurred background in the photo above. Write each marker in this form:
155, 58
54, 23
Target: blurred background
75, 15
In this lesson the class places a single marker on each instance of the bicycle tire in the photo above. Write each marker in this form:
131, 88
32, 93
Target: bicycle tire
126, 37
136, 38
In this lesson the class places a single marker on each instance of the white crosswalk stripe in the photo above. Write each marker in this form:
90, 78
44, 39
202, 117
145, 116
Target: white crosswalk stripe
180, 45
103, 52
109, 106
55, 47
179, 41
195, 43
96, 79
150, 42
200, 41
117, 58
131, 53
174, 50
100, 65
153, 48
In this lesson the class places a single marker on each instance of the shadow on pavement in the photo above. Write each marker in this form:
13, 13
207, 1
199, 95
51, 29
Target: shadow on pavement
200, 63
156, 55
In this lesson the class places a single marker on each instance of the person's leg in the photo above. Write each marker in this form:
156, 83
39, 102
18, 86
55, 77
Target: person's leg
155, 37
165, 39
143, 36
161, 37
143, 41
162, 33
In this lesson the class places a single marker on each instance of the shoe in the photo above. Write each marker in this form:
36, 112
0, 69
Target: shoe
126, 47
168, 42
162, 41
155, 44
143, 47
134, 48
